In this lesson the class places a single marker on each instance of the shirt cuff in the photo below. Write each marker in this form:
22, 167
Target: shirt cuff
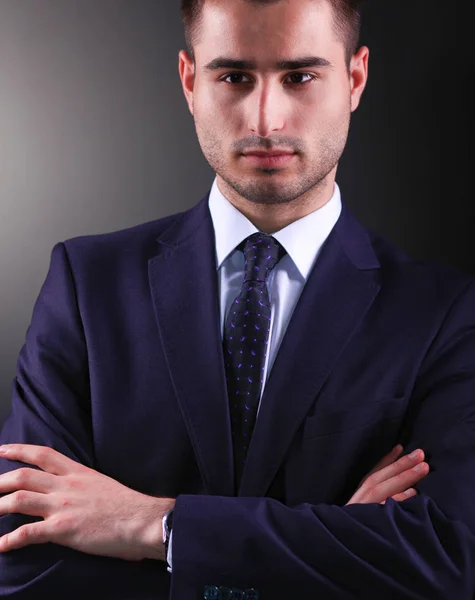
169, 553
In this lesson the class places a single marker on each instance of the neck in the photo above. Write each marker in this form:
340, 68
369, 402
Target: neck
270, 218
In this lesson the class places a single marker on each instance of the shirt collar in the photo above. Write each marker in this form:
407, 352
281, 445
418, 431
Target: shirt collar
302, 239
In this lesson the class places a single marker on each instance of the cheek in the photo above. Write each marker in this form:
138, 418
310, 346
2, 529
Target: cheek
212, 107
216, 124
331, 110
217, 111
316, 112
333, 94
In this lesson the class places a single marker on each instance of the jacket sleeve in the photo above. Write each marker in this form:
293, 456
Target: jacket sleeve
51, 407
422, 548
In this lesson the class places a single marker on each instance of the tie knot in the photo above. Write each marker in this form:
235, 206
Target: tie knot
261, 253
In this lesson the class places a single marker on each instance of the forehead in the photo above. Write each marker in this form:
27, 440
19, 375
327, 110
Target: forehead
266, 31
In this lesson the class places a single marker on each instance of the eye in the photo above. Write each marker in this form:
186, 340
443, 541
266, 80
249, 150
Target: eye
299, 74
237, 78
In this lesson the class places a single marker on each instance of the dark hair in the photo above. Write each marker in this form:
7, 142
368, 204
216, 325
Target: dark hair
347, 18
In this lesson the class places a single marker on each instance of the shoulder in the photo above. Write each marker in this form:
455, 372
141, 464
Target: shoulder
423, 280
117, 248
136, 236
398, 274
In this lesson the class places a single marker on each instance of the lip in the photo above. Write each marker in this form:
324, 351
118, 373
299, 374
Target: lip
269, 159
268, 152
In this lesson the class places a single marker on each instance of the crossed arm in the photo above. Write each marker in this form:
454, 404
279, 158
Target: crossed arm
90, 512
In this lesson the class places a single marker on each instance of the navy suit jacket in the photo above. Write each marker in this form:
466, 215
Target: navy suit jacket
122, 370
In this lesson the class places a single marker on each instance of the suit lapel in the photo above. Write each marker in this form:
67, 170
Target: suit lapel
338, 293
184, 286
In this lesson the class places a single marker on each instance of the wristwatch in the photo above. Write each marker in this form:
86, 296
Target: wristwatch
167, 529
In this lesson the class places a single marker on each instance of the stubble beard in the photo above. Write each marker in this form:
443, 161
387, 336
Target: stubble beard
267, 187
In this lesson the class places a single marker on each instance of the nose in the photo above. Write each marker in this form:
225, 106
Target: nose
266, 109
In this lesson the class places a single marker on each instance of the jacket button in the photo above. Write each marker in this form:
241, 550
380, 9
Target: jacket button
226, 593
211, 593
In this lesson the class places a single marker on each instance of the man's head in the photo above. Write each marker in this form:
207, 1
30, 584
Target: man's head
242, 99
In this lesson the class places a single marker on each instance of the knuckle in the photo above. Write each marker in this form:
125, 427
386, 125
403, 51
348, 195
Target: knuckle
19, 498
404, 480
60, 524
402, 463
26, 533
370, 492
43, 453
405, 475
65, 502
74, 483
20, 476
403, 467
369, 480
373, 480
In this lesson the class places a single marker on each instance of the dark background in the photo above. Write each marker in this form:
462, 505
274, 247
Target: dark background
95, 135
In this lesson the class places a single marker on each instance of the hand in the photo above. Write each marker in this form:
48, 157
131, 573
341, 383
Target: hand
81, 508
389, 479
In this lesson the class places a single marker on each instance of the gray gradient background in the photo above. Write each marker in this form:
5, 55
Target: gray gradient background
95, 135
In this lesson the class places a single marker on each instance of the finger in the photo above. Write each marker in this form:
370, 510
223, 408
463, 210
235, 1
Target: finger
384, 462
391, 456
403, 496
25, 503
401, 465
388, 459
394, 485
27, 479
46, 458
32, 533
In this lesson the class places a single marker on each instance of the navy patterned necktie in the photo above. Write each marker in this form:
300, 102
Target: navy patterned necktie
245, 341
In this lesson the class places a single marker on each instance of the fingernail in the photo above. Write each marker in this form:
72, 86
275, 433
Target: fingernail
419, 467
414, 454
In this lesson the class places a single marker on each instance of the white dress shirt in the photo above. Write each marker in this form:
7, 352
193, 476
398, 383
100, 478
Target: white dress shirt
302, 239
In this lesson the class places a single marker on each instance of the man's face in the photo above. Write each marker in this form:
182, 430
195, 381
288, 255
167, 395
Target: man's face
305, 111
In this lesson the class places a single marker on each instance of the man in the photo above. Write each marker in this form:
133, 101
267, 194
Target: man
237, 369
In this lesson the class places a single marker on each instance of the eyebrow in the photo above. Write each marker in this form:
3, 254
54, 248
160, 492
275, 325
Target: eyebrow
223, 62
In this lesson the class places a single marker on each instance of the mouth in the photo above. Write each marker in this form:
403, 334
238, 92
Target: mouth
273, 159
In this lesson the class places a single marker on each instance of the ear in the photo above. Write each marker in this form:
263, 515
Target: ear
186, 69
358, 75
